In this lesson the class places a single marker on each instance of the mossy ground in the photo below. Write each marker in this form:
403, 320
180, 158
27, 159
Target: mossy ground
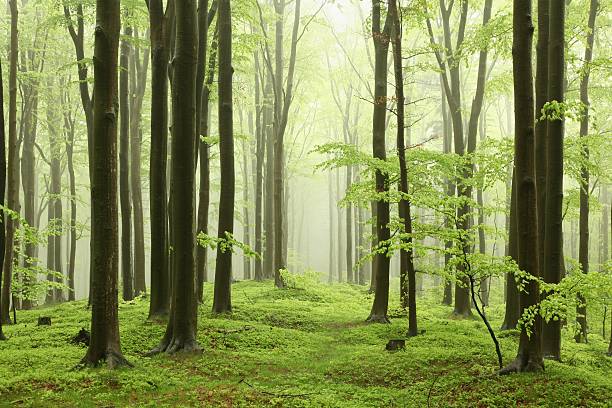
294, 348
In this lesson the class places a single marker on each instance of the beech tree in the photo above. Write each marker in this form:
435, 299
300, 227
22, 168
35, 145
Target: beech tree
2, 180
105, 344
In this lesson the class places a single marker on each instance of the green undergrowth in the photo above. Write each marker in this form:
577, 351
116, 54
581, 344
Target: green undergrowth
307, 347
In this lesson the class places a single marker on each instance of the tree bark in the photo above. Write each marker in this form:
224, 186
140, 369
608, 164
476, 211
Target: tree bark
406, 253
529, 356
124, 168
160, 24
553, 213
138, 82
583, 247
222, 302
380, 306
260, 151
105, 343
512, 310
181, 329
2, 180
12, 171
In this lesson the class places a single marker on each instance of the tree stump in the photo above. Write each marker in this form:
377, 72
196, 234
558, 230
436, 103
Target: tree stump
81, 338
396, 344
44, 321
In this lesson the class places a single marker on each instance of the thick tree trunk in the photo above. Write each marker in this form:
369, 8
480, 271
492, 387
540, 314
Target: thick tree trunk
583, 247
124, 168
552, 262
12, 172
181, 329
160, 24
529, 356
380, 306
222, 301
105, 344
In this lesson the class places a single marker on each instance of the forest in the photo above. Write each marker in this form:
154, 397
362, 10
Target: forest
306, 203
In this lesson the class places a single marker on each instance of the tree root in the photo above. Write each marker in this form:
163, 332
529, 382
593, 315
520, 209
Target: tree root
176, 345
113, 359
519, 365
376, 318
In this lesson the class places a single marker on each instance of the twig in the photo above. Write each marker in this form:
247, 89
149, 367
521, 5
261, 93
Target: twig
431, 389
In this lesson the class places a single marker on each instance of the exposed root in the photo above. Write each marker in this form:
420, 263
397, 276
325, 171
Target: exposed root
175, 345
113, 359
521, 366
376, 318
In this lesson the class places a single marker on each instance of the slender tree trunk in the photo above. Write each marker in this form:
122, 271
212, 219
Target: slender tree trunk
69, 131
512, 311
450, 191
160, 24
124, 168
406, 253
380, 305
331, 227
104, 344
553, 213
204, 195
583, 250
339, 230
268, 262
529, 356
2, 180
222, 301
260, 149
12, 172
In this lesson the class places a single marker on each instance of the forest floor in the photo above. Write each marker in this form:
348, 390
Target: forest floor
294, 348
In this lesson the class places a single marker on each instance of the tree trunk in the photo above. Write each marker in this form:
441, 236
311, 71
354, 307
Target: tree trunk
378, 314
529, 356
331, 227
181, 329
406, 253
222, 301
12, 172
124, 168
450, 192
512, 311
583, 247
260, 149
160, 24
69, 131
268, 262
553, 213
2, 180
105, 344
204, 195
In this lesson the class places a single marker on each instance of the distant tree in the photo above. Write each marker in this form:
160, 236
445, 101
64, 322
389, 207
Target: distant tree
529, 356
222, 301
105, 344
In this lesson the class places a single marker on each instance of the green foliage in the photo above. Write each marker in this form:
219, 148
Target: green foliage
296, 347
229, 243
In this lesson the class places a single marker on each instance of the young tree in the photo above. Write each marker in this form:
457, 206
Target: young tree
2, 180
529, 356
583, 251
12, 171
407, 258
181, 329
105, 344
222, 301
160, 35
378, 314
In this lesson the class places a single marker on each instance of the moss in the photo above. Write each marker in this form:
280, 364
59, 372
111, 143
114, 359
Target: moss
305, 347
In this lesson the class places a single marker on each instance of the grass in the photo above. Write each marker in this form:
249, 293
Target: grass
294, 348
